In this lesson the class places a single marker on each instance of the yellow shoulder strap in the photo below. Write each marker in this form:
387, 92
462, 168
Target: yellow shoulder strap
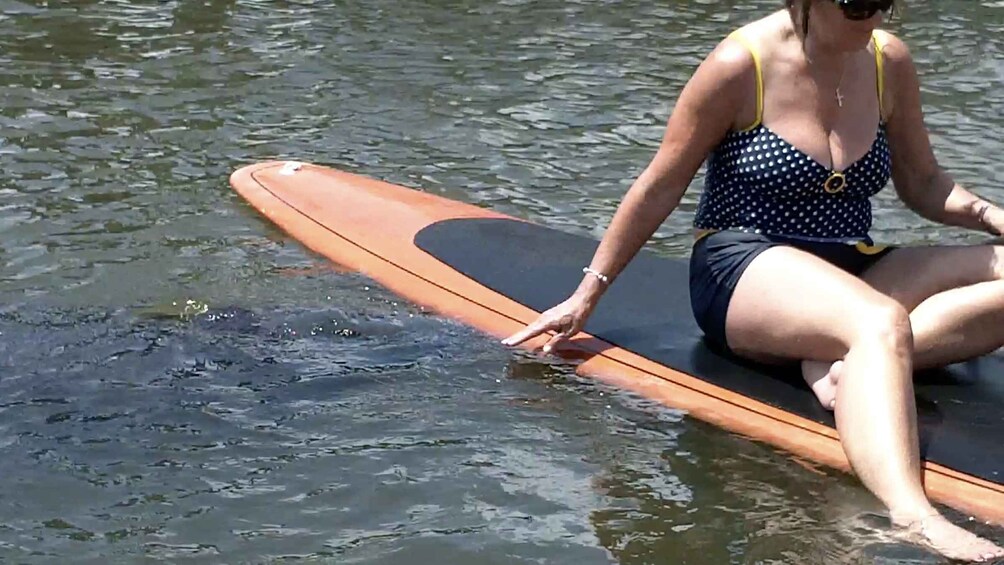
738, 36
878, 41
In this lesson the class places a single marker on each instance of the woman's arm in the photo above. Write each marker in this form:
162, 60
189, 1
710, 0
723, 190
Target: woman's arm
920, 181
707, 108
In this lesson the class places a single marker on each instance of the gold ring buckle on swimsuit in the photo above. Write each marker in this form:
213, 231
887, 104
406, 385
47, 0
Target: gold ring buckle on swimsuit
835, 183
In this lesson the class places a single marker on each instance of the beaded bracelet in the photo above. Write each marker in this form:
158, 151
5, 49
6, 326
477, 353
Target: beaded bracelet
603, 278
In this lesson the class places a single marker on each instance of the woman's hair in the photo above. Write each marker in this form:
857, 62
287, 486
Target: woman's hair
803, 12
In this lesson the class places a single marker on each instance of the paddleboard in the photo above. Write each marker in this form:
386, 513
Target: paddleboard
496, 273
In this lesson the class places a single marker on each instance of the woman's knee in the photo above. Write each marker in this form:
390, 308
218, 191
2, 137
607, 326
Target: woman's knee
885, 323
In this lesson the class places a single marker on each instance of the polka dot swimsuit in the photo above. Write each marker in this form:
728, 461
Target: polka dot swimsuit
757, 182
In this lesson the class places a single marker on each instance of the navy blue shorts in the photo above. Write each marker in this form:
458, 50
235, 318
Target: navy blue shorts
719, 259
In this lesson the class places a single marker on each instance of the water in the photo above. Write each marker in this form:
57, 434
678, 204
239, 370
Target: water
181, 383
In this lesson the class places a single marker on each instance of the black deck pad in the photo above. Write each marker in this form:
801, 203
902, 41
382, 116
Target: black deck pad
647, 311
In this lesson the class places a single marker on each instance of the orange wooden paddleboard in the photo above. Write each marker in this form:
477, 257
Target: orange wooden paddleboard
488, 270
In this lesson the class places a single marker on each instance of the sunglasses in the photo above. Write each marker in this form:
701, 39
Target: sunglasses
863, 9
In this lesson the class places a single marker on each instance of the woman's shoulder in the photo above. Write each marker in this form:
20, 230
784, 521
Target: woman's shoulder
894, 50
762, 37
736, 61
732, 58
742, 48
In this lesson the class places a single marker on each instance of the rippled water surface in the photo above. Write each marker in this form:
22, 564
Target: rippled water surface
179, 382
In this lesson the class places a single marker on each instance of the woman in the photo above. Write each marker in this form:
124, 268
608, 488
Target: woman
806, 114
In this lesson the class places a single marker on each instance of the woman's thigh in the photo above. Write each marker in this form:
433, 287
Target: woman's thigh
911, 275
791, 304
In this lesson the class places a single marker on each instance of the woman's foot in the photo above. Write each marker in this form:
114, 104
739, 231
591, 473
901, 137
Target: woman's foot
952, 541
822, 378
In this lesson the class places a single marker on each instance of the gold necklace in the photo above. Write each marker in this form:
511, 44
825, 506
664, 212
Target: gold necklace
837, 182
840, 97
843, 73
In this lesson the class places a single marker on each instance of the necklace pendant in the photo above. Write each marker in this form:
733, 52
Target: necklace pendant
840, 99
